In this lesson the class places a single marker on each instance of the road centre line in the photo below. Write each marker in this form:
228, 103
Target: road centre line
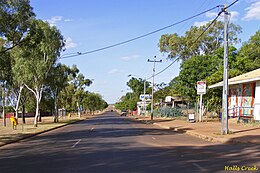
76, 143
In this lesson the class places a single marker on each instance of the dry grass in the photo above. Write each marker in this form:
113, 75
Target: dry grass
8, 134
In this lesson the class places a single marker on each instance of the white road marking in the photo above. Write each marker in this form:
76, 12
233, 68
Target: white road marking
92, 129
153, 138
76, 143
198, 166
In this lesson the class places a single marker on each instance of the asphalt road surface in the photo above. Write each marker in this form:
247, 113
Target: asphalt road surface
111, 144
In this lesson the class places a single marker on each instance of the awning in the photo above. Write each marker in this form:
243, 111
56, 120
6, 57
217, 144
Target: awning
244, 78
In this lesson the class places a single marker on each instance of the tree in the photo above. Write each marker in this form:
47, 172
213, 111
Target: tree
80, 83
93, 102
137, 85
57, 80
45, 45
204, 67
184, 47
249, 55
5, 75
14, 22
162, 92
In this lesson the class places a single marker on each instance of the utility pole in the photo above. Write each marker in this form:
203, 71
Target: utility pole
154, 61
224, 118
144, 97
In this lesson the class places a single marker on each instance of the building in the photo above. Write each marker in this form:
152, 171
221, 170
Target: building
244, 95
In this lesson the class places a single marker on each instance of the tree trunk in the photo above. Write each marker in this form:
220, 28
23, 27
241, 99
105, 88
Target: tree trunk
40, 115
38, 95
18, 101
23, 113
38, 99
3, 104
36, 113
56, 117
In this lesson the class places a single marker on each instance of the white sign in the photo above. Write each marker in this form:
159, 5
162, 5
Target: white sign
168, 99
201, 87
191, 117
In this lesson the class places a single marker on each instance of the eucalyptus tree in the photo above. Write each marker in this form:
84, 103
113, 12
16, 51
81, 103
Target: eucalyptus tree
15, 16
66, 98
249, 55
194, 44
71, 97
57, 80
80, 82
93, 102
137, 86
5, 75
16, 83
46, 43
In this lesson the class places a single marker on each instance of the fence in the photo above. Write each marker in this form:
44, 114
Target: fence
241, 112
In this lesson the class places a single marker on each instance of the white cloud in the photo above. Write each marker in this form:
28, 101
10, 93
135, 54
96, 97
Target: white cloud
198, 24
53, 21
211, 14
70, 44
253, 12
233, 14
68, 20
114, 71
128, 58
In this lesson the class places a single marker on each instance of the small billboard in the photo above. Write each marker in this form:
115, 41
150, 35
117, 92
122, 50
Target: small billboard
201, 87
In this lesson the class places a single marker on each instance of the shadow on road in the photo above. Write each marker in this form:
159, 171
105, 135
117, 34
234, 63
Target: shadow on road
106, 150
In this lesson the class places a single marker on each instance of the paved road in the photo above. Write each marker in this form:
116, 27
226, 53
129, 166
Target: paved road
111, 144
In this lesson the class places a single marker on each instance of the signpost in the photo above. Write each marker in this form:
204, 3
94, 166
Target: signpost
201, 89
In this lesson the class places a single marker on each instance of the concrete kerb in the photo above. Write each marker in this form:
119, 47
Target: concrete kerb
195, 134
198, 135
202, 136
26, 136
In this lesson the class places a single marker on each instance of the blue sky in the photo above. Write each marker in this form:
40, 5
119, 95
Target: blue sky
92, 24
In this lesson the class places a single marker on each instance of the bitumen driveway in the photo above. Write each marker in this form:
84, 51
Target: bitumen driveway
110, 143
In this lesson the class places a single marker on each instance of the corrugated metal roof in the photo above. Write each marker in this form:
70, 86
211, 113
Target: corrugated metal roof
244, 78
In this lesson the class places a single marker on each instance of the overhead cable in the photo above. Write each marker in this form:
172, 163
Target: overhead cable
141, 36
211, 23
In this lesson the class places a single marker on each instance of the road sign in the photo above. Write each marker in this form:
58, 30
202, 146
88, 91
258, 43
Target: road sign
201, 87
146, 96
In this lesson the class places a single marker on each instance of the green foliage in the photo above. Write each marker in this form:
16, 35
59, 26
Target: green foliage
249, 55
94, 102
129, 101
167, 112
162, 92
15, 21
137, 85
184, 47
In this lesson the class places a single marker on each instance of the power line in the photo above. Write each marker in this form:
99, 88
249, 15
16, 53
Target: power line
191, 45
141, 36
222, 10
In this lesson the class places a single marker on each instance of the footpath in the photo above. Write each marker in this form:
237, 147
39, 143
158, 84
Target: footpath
211, 130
